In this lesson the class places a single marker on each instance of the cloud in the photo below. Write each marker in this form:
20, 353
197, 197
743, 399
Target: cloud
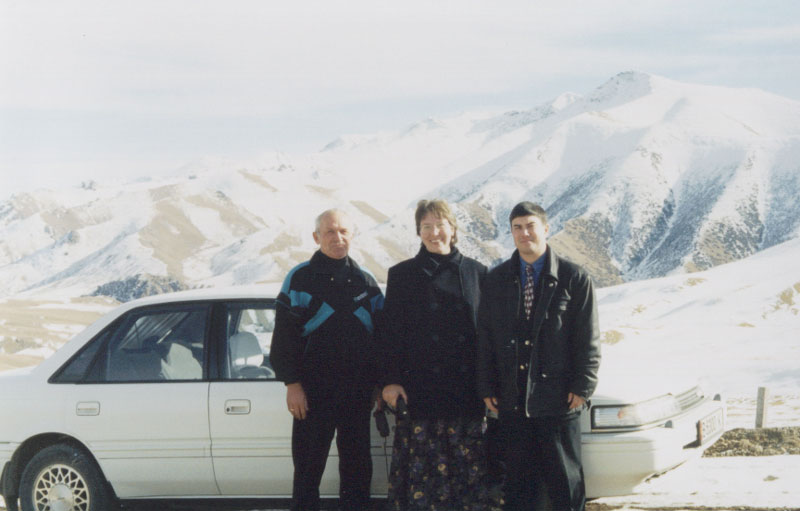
253, 57
131, 77
769, 35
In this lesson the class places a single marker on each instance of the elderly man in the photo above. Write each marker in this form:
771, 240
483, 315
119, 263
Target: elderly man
322, 349
538, 357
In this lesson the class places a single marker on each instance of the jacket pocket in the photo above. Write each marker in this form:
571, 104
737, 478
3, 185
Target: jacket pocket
550, 395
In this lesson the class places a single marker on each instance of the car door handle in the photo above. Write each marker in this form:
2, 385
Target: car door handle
87, 408
237, 406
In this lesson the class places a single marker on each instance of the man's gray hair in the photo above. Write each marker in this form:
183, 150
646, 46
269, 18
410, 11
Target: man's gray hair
318, 222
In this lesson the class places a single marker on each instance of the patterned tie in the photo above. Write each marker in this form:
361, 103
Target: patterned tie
528, 292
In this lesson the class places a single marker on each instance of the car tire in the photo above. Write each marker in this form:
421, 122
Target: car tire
63, 478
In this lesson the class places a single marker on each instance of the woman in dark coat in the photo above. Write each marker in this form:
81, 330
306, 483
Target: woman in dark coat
439, 456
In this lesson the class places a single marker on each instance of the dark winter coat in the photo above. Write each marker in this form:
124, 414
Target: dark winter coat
429, 338
563, 332
324, 327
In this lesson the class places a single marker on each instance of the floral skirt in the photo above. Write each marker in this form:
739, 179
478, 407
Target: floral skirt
440, 465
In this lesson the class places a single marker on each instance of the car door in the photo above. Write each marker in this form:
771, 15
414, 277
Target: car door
251, 429
141, 405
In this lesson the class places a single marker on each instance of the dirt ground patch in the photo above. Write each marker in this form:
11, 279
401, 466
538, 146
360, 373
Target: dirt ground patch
756, 442
8, 362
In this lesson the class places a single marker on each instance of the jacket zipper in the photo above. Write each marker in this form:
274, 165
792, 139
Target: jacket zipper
516, 341
516, 366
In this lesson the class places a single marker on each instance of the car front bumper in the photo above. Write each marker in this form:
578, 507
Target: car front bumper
615, 463
6, 452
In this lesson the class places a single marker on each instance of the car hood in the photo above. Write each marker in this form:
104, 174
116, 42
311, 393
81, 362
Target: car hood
629, 385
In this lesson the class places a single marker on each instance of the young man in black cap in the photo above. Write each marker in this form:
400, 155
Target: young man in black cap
539, 353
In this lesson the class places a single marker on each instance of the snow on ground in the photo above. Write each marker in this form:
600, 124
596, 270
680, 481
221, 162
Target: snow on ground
737, 326
783, 410
720, 483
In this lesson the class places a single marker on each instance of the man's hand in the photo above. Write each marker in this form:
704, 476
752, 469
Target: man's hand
574, 401
392, 392
296, 400
491, 403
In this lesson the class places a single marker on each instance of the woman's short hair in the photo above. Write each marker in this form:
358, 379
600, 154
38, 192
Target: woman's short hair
440, 209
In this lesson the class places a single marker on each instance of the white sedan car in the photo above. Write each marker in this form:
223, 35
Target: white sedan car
172, 397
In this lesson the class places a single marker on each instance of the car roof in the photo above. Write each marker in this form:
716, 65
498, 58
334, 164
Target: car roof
248, 292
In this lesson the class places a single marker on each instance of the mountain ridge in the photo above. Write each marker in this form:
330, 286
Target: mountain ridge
641, 178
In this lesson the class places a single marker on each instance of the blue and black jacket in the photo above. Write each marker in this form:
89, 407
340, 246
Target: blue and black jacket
326, 315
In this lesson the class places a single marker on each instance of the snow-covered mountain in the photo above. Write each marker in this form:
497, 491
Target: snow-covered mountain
646, 176
641, 178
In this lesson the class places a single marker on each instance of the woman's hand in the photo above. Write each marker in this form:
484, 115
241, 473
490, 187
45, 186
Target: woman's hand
491, 403
391, 392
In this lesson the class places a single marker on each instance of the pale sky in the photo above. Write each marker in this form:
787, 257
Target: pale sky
104, 90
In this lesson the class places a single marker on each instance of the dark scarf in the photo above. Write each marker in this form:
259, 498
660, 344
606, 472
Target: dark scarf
431, 264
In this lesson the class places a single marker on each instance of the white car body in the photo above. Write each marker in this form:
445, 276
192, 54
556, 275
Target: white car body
210, 434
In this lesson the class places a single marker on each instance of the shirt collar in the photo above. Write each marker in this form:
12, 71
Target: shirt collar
538, 265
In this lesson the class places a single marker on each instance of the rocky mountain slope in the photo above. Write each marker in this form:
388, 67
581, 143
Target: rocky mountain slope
641, 178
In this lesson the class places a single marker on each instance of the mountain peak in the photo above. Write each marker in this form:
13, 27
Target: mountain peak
624, 87
564, 100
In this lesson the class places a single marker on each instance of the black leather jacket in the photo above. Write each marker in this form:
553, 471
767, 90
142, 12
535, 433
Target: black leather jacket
565, 354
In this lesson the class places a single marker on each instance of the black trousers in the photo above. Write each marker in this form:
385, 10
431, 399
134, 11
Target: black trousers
311, 441
542, 461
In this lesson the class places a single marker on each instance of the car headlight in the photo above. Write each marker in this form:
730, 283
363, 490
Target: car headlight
635, 415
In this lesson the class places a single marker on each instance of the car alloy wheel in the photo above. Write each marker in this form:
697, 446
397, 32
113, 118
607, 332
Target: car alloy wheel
64, 478
60, 488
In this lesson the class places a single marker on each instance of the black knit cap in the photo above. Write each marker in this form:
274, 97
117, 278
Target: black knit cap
526, 208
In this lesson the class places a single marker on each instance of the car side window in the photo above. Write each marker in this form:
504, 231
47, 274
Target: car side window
155, 345
248, 338
74, 371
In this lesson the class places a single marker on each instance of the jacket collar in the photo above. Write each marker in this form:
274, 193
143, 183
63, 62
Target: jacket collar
325, 264
550, 269
431, 263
